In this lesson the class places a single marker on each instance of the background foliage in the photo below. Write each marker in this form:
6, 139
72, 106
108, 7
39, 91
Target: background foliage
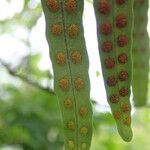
29, 112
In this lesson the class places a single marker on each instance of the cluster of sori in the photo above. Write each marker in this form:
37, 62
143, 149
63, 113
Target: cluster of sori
140, 53
65, 36
114, 30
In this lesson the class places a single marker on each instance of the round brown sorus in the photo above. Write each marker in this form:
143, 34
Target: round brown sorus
122, 58
125, 108
109, 63
123, 75
122, 40
106, 28
83, 111
84, 130
123, 91
111, 81
71, 145
83, 146
73, 30
121, 21
61, 59
120, 2
56, 29
117, 115
107, 46
79, 84
53, 5
64, 84
127, 121
76, 57
114, 98
68, 103
104, 7
71, 6
71, 125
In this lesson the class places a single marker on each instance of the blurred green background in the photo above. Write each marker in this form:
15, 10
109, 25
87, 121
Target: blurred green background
29, 113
